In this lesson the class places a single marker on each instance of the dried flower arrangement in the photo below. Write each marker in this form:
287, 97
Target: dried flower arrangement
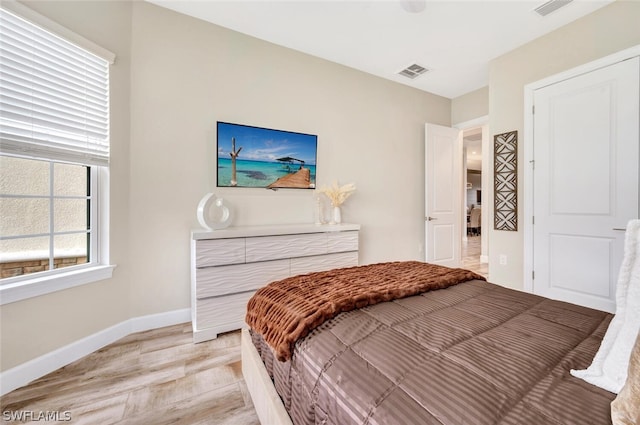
338, 194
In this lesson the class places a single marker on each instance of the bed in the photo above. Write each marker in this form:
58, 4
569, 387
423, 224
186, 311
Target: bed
468, 352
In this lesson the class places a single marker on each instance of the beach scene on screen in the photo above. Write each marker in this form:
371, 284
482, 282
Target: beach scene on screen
260, 157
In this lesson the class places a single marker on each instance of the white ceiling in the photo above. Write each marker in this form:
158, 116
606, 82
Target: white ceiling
454, 39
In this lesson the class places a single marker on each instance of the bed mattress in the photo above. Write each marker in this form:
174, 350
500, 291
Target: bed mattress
473, 353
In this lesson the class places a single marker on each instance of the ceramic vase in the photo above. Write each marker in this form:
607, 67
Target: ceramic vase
337, 216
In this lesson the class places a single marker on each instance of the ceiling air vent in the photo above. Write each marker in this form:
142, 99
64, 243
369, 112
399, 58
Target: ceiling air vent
412, 71
551, 6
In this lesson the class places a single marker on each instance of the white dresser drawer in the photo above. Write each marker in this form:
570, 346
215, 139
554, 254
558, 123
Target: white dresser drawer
320, 263
229, 265
342, 241
227, 312
285, 246
215, 281
216, 252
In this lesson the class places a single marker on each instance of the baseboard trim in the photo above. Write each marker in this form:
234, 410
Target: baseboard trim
21, 375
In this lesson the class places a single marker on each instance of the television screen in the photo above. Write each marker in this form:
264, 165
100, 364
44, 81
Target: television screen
261, 157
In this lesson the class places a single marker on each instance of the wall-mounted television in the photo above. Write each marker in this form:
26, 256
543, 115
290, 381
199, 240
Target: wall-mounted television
250, 156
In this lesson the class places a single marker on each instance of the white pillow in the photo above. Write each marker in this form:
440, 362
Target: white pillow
609, 367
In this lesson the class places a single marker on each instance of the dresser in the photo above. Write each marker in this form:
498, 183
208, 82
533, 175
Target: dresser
229, 265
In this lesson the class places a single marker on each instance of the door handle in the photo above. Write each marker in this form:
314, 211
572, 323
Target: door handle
430, 218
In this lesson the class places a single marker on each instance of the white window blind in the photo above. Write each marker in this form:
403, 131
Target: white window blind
54, 96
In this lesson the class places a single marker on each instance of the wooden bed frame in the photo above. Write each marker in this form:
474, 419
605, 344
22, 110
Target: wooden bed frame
266, 400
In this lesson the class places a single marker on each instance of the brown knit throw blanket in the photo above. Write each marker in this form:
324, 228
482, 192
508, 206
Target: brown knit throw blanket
286, 310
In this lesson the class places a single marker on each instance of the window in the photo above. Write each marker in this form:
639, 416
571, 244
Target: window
54, 156
46, 216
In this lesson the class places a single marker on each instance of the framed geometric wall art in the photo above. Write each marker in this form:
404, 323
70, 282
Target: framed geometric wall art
505, 181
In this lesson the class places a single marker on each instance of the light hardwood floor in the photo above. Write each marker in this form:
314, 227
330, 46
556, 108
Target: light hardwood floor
157, 377
471, 256
152, 378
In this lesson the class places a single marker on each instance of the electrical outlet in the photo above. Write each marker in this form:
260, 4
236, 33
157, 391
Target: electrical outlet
503, 260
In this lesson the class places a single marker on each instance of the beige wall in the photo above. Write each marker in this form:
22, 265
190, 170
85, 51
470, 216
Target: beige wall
470, 106
174, 78
188, 74
608, 30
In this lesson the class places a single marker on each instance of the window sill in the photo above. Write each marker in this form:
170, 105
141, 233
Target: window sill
24, 289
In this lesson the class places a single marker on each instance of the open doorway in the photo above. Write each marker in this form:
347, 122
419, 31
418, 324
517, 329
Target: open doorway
446, 239
474, 232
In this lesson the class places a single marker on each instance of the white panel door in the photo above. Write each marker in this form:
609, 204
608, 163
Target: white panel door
443, 195
585, 182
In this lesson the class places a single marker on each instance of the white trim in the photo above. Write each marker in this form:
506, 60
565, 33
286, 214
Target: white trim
103, 219
28, 286
527, 186
465, 199
528, 140
585, 68
159, 320
476, 122
21, 375
57, 29
23, 289
487, 175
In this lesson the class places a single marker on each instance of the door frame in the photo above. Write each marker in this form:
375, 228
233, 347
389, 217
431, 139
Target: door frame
487, 175
528, 140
